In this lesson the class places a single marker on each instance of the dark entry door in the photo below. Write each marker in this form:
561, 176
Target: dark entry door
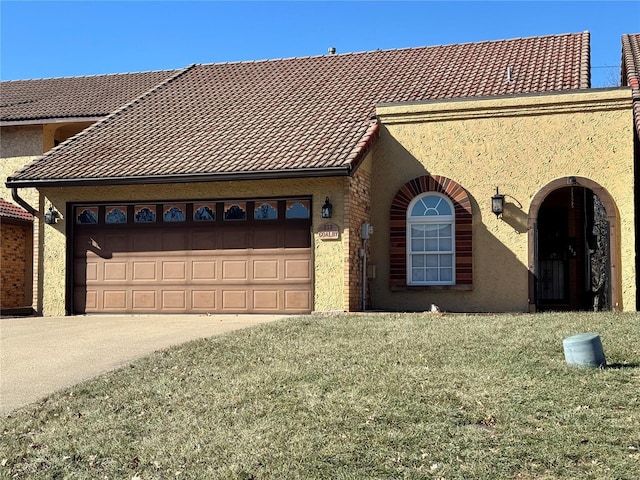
553, 257
572, 256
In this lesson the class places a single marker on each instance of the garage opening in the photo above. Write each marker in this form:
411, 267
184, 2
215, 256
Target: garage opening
229, 256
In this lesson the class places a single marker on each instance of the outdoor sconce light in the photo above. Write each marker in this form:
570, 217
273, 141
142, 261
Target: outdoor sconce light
52, 216
327, 209
497, 203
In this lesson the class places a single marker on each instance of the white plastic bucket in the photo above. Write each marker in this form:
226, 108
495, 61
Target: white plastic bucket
584, 350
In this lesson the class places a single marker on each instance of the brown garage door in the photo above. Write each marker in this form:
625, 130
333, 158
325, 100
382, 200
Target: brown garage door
193, 257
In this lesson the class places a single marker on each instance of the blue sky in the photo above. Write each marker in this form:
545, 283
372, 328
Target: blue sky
42, 39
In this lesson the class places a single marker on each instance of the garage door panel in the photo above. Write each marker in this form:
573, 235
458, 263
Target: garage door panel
84, 245
268, 238
193, 267
175, 241
86, 298
266, 269
144, 300
92, 246
234, 270
297, 238
297, 301
234, 238
113, 243
203, 240
174, 270
144, 271
87, 270
145, 241
244, 295
115, 271
234, 300
114, 300
266, 300
203, 300
174, 300
297, 269
203, 270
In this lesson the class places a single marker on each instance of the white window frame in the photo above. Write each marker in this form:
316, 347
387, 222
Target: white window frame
431, 220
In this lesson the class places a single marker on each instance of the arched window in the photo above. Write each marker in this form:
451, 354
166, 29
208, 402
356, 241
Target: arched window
431, 240
423, 212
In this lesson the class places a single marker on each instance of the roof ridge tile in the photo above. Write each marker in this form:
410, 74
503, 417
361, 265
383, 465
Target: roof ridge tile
96, 75
385, 50
630, 71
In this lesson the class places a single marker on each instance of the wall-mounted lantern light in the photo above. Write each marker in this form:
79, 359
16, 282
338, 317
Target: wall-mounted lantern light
497, 203
52, 216
327, 209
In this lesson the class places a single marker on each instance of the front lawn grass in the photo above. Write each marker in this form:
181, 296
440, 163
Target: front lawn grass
365, 396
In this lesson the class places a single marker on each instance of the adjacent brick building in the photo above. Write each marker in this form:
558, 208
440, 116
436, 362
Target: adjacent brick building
16, 268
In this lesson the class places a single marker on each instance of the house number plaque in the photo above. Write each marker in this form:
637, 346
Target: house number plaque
328, 231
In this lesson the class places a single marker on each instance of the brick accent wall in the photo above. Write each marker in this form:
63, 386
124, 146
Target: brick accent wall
358, 212
398, 227
15, 250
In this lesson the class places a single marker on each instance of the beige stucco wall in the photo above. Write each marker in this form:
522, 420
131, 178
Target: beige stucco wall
19, 146
328, 255
21, 141
59, 132
519, 144
8, 166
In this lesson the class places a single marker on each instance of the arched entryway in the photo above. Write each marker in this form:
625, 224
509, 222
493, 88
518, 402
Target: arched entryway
573, 247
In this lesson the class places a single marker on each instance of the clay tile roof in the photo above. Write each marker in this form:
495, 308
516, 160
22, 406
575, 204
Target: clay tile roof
631, 71
9, 210
76, 97
295, 116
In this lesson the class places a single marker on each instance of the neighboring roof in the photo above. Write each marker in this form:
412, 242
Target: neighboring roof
9, 210
73, 97
298, 116
631, 71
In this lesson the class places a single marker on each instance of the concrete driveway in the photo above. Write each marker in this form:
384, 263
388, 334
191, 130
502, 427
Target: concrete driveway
41, 355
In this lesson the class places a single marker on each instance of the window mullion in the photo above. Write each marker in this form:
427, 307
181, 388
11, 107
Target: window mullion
427, 265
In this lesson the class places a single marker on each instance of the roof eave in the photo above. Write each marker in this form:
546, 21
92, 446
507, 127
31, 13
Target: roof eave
186, 178
44, 121
363, 147
8, 219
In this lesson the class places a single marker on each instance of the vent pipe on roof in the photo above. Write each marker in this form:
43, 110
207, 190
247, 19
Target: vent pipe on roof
332, 50
509, 78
